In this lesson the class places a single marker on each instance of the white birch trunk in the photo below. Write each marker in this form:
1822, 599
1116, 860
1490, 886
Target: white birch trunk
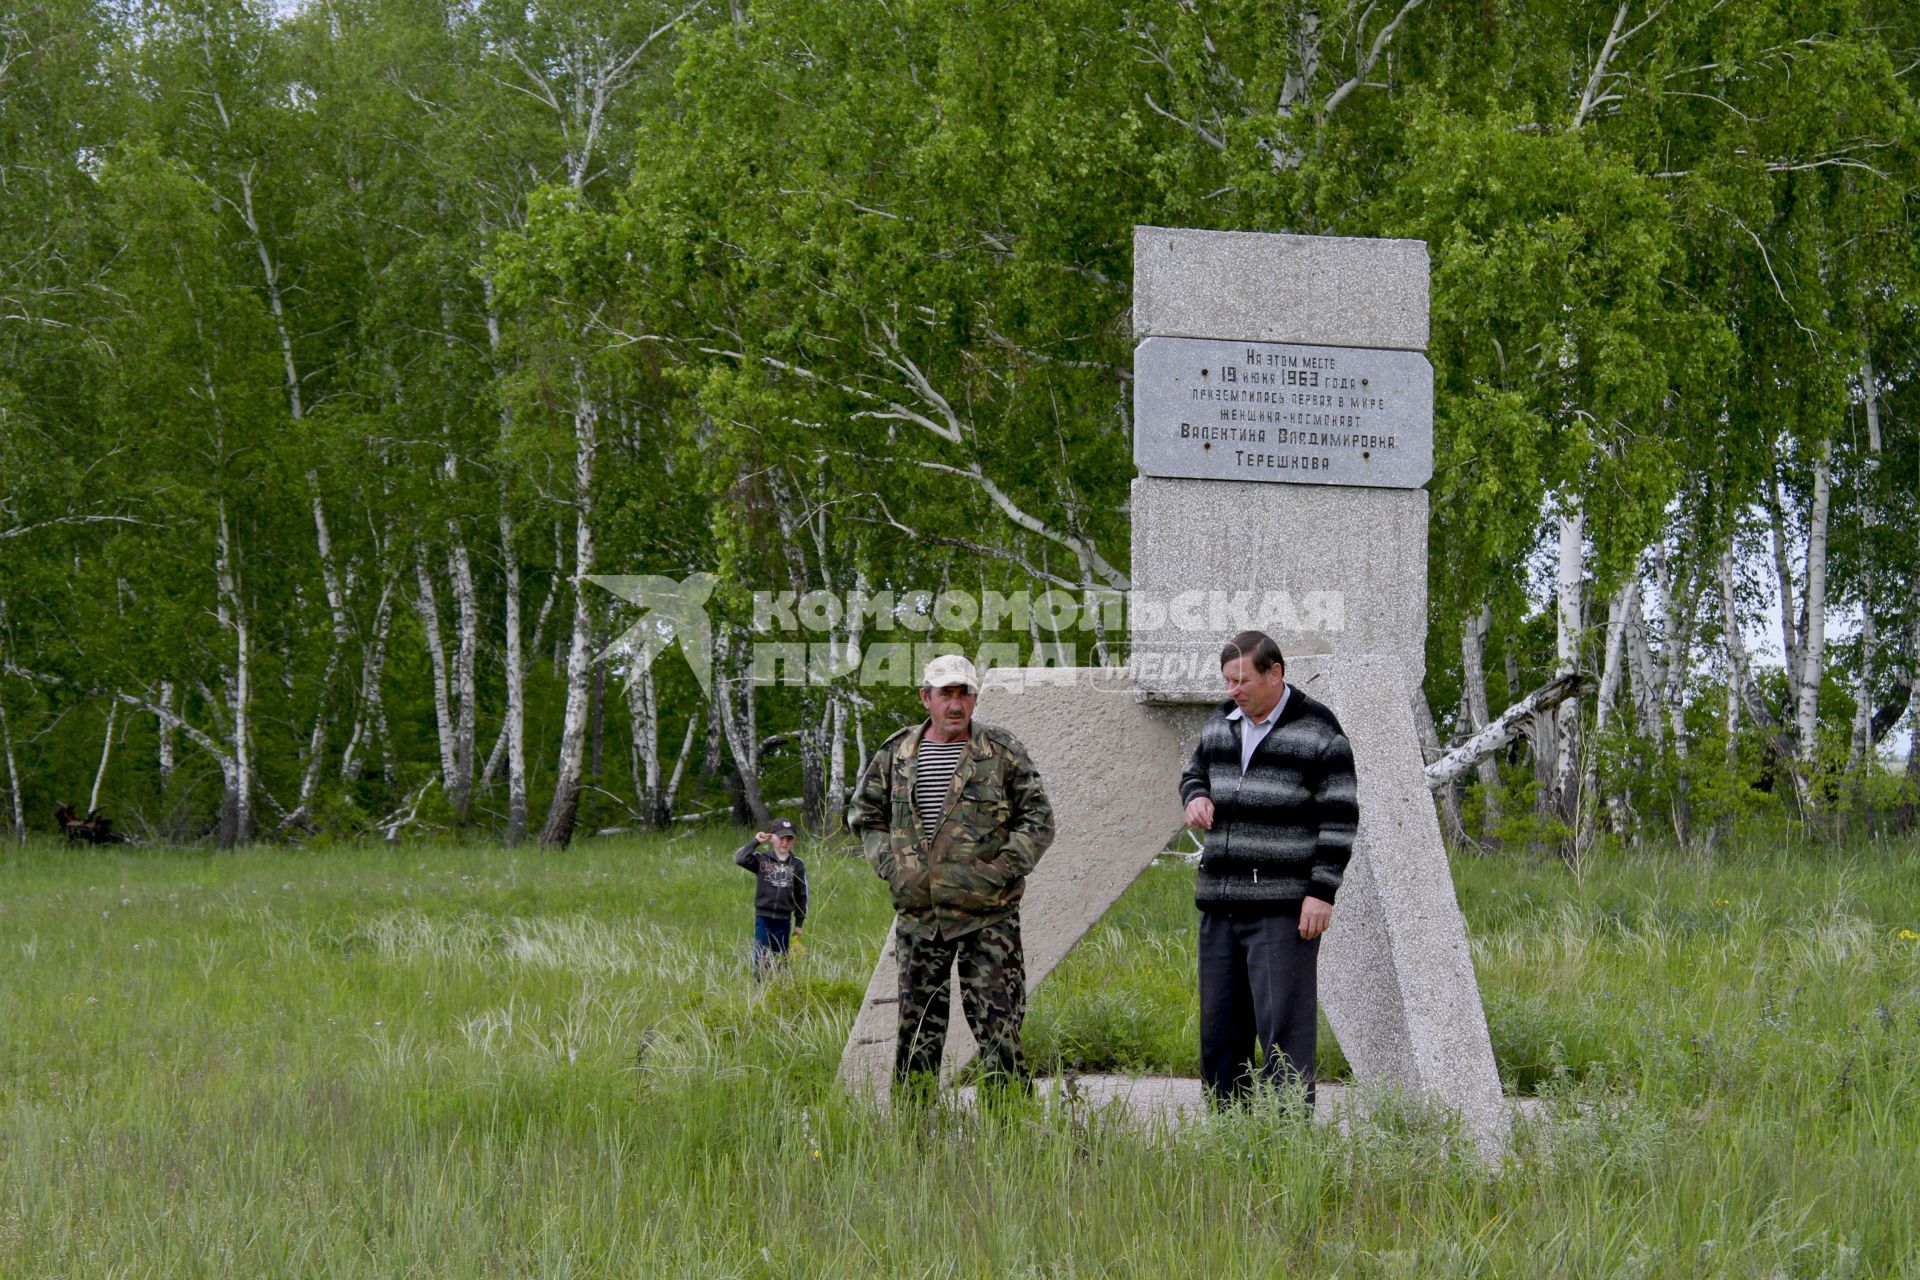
316, 740
1677, 619
715, 746
837, 766
164, 733
1612, 673
1913, 690
815, 715
296, 403
428, 609
1612, 667
516, 664
680, 764
1473, 666
1783, 580
558, 830
1675, 661
1732, 725
559, 576
856, 637
233, 770
242, 710
1648, 712
465, 682
1862, 745
1870, 382
513, 733
540, 619
1570, 590
369, 726
1671, 666
329, 571
597, 717
1447, 794
106, 755
236, 767
644, 712
296, 410
1730, 634
19, 812
735, 687
1749, 693
459, 779
1814, 657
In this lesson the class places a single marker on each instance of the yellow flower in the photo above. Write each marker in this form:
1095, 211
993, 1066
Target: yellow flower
1908, 935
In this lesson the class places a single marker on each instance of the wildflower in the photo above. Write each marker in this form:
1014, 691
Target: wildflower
1908, 935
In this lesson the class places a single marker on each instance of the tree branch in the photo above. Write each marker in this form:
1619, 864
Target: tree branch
1032, 524
903, 364
963, 544
1198, 130
1594, 95
1365, 69
21, 531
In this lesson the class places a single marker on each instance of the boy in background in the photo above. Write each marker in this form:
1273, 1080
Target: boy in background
780, 893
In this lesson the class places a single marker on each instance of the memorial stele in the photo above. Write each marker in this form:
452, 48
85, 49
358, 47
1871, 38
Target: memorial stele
1283, 428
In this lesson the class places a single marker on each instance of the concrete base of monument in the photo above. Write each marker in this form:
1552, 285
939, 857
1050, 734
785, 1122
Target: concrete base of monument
1179, 1102
1395, 975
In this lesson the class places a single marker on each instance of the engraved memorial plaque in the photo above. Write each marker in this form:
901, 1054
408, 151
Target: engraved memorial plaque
1216, 409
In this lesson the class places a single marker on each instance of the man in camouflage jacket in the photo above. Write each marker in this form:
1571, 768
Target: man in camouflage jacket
956, 858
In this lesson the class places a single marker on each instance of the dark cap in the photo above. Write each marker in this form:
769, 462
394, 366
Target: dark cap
782, 827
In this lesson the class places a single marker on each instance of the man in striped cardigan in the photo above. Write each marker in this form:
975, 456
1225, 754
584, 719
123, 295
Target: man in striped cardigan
1271, 782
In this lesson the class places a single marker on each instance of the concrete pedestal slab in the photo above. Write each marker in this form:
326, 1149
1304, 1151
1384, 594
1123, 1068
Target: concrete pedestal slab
1179, 1102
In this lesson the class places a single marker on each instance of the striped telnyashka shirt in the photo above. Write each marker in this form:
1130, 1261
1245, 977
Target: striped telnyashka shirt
936, 766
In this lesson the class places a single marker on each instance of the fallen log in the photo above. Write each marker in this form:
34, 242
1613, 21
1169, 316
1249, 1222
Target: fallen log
1505, 729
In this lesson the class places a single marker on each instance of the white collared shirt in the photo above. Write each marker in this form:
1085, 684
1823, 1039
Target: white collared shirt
1253, 731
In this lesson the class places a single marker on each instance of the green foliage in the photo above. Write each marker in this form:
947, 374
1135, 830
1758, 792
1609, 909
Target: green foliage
815, 295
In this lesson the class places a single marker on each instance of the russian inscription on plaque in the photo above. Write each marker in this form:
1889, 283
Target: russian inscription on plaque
1217, 409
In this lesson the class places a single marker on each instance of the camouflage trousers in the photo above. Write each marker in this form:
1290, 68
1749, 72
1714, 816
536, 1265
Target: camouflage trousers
993, 995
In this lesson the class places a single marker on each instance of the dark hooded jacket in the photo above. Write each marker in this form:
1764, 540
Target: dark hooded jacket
782, 889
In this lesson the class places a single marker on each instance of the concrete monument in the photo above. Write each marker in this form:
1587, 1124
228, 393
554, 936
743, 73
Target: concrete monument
1283, 426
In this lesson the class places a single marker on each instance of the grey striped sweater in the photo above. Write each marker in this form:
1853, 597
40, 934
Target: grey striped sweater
1284, 831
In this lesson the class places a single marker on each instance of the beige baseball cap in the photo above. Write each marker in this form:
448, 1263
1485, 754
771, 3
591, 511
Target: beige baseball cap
950, 668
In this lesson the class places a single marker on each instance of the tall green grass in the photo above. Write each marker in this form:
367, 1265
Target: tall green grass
462, 1061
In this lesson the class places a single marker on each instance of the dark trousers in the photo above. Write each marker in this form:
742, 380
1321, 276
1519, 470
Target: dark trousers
1257, 982
772, 935
993, 995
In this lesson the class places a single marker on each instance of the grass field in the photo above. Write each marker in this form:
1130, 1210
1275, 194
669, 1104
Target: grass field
463, 1062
